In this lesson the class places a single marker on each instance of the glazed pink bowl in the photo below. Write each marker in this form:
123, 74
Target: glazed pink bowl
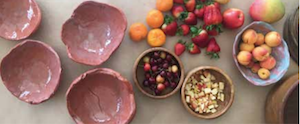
101, 96
18, 18
31, 71
94, 32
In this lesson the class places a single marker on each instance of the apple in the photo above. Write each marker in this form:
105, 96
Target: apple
233, 18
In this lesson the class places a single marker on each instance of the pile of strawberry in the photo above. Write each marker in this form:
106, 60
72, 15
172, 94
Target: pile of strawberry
188, 11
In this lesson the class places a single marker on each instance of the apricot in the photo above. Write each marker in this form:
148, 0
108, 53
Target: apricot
263, 73
273, 39
267, 47
250, 65
244, 57
269, 63
246, 47
255, 68
260, 53
260, 39
249, 36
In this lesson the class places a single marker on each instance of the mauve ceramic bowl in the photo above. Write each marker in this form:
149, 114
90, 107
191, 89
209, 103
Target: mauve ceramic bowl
18, 18
31, 71
94, 32
101, 96
280, 53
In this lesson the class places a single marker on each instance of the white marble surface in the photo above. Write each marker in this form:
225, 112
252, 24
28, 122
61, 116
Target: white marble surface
248, 106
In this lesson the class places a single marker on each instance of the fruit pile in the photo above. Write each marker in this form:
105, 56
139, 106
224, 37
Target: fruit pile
185, 16
203, 93
161, 72
255, 52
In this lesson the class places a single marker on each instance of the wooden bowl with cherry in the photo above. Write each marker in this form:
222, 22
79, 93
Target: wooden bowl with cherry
158, 73
207, 92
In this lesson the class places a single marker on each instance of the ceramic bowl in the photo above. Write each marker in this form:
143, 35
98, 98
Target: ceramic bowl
31, 71
280, 53
139, 74
19, 18
94, 31
101, 96
282, 102
220, 76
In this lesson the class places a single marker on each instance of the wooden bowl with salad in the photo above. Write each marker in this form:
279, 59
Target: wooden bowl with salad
207, 92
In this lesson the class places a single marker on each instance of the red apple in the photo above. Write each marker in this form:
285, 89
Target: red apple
233, 18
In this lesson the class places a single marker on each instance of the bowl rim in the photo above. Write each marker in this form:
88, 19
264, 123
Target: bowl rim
39, 19
108, 72
71, 18
46, 46
234, 53
288, 86
226, 107
135, 67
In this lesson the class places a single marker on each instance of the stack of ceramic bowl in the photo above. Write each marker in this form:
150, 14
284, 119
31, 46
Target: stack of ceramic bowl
291, 31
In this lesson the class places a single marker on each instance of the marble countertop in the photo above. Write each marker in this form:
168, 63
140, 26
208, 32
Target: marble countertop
247, 108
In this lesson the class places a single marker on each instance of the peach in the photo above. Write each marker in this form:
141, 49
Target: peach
250, 65
255, 68
263, 73
260, 53
244, 57
249, 36
273, 39
267, 47
269, 63
260, 39
246, 47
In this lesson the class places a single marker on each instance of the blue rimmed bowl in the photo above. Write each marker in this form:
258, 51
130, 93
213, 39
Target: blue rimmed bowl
280, 53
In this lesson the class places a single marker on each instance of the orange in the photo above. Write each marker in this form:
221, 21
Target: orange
138, 31
155, 18
164, 5
156, 38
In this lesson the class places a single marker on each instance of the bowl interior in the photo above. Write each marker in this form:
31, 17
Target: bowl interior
228, 91
280, 53
93, 32
101, 96
31, 71
18, 18
140, 74
291, 115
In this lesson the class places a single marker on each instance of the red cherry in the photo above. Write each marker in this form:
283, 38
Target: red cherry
161, 87
147, 67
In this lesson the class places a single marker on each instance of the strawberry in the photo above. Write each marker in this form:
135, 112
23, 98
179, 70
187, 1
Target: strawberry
212, 14
213, 30
179, 47
176, 10
169, 26
188, 18
199, 37
179, 1
213, 49
183, 30
199, 11
190, 5
193, 49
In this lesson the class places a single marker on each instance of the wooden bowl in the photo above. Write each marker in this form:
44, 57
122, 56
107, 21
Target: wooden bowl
280, 53
228, 92
138, 74
282, 103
